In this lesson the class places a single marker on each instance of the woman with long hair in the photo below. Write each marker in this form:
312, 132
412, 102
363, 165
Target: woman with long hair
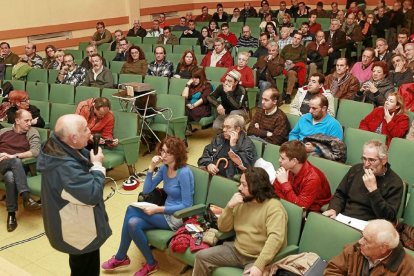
136, 62
19, 99
178, 185
272, 31
205, 41
186, 65
50, 51
213, 29
390, 119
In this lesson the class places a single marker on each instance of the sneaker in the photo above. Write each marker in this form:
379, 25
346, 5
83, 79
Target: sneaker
147, 270
113, 263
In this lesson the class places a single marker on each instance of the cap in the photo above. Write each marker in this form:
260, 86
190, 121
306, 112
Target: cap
234, 74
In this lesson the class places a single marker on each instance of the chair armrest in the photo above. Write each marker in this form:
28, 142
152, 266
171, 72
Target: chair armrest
179, 119
288, 250
225, 235
129, 140
190, 211
29, 160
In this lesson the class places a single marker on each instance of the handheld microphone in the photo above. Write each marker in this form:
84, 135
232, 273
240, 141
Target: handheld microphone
96, 138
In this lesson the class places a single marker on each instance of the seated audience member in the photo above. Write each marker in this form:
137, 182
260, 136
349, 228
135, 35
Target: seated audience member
409, 54
167, 37
181, 26
191, 32
204, 16
58, 63
246, 39
70, 73
303, 11
316, 51
410, 135
376, 89
6, 55
160, 67
319, 11
233, 145
371, 190
362, 70
306, 35
382, 22
122, 54
248, 11
314, 26
265, 9
341, 17
114, 46
213, 29
188, 16
87, 61
286, 23
285, 38
269, 124
195, 93
137, 30
279, 14
20, 100
300, 104
381, 51
186, 65
295, 64
256, 242
341, 83
102, 35
18, 142
401, 73
263, 41
368, 29
247, 78
135, 63
268, 67
205, 41
336, 40
334, 11
353, 33
50, 51
228, 36
317, 121
161, 19
232, 99
100, 119
220, 15
155, 30
178, 183
298, 181
99, 75
31, 57
402, 39
236, 17
379, 251
390, 119
219, 57
267, 18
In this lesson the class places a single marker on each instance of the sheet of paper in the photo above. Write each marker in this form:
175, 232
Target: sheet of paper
353, 222
142, 205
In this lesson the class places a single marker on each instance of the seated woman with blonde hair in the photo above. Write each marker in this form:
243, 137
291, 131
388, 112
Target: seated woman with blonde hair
390, 119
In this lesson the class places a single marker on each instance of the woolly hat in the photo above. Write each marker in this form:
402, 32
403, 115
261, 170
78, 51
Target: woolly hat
234, 74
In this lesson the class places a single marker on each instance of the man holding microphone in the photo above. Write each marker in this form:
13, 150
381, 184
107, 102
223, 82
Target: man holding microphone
74, 213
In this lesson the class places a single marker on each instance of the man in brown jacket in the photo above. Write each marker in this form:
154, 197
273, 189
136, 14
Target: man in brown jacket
342, 83
353, 33
378, 252
336, 40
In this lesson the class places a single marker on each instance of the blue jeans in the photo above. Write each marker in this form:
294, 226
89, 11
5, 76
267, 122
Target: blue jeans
135, 223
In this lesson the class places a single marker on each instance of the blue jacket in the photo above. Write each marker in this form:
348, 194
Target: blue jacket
74, 213
305, 127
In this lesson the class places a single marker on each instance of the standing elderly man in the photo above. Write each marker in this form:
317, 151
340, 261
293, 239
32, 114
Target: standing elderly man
378, 252
98, 75
370, 190
259, 240
233, 145
73, 179
17, 142
101, 35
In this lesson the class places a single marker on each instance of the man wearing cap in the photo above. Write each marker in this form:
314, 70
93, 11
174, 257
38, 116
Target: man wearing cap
233, 98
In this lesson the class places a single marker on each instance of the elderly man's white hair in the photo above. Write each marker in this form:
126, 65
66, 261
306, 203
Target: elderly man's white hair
237, 120
385, 233
68, 125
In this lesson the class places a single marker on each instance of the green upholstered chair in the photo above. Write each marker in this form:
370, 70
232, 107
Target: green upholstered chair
62, 93
180, 49
188, 41
38, 75
271, 154
116, 66
57, 110
38, 91
401, 157
77, 54
109, 55
350, 113
177, 86
293, 119
123, 78
115, 103
53, 74
259, 147
17, 84
44, 107
215, 73
85, 92
160, 84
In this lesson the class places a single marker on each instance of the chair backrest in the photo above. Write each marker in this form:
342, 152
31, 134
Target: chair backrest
38, 75
109, 55
17, 84
116, 66
401, 158
355, 139
160, 84
350, 113
180, 49
53, 74
177, 86
201, 181
188, 41
325, 236
149, 40
85, 92
215, 73
57, 110
126, 124
168, 47
123, 78
175, 103
295, 219
115, 103
43, 133
293, 119
271, 154
334, 171
62, 93
82, 45
44, 108
38, 91
259, 147
134, 40
221, 190
77, 54
409, 209
103, 47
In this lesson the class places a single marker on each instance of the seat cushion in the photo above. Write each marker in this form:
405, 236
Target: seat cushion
159, 238
113, 158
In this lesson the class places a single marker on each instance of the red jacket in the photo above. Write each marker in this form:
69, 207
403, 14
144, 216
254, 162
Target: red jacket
231, 38
247, 78
309, 188
397, 127
225, 61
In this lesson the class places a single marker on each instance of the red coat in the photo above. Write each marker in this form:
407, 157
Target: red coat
225, 61
309, 188
231, 38
247, 78
397, 127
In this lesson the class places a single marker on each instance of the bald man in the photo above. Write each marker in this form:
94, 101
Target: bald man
73, 178
378, 252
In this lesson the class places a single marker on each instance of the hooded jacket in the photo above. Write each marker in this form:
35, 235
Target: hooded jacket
74, 213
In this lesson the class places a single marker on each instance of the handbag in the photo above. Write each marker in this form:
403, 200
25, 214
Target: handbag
211, 215
157, 197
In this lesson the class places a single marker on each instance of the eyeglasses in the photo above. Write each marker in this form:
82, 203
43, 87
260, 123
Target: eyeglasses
369, 160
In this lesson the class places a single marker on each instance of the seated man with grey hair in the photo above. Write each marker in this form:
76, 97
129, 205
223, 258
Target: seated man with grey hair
378, 252
370, 190
231, 151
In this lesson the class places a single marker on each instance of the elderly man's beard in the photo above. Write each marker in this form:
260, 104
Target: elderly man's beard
245, 197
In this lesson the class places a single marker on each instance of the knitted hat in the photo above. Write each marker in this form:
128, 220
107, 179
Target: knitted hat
234, 74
